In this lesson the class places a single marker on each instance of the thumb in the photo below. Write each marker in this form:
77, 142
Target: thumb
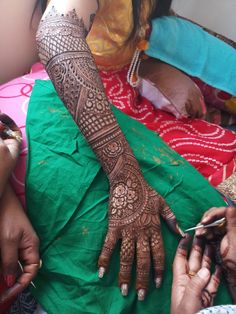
194, 289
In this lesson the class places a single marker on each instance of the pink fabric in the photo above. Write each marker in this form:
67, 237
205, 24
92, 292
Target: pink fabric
14, 99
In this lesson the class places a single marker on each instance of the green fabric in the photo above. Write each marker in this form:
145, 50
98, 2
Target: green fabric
67, 200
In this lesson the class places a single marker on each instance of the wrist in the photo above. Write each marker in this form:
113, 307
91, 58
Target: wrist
125, 167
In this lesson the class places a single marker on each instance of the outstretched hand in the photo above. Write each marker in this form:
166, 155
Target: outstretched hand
134, 218
193, 285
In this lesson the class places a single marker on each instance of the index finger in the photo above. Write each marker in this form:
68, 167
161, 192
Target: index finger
180, 260
212, 214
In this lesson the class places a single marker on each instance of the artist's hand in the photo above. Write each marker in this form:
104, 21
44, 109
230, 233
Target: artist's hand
193, 286
10, 136
227, 241
10, 142
134, 218
18, 242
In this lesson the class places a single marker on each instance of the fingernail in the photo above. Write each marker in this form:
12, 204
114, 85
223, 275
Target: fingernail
203, 273
197, 233
9, 280
141, 294
101, 272
158, 282
124, 290
204, 220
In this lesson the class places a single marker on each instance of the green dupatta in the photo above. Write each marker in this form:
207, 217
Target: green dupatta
67, 200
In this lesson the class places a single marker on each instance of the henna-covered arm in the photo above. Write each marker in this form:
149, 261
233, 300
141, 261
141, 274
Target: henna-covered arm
134, 206
62, 46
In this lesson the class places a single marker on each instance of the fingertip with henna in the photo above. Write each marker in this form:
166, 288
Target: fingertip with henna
124, 289
101, 272
141, 294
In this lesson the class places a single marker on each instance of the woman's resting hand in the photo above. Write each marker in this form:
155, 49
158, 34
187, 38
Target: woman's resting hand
134, 218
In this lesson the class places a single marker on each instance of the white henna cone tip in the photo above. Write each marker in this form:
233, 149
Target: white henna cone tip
141, 294
158, 282
101, 272
124, 290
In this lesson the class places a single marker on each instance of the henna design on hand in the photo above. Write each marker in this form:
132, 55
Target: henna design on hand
134, 207
229, 270
207, 298
227, 265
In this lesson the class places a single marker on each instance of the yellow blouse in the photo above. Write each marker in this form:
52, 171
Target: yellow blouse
109, 39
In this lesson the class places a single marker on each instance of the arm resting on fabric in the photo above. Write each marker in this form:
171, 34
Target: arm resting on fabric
134, 207
62, 46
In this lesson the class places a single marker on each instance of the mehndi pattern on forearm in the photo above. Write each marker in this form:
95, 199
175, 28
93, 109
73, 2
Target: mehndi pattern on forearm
64, 52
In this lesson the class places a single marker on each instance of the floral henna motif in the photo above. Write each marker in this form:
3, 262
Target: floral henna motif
133, 206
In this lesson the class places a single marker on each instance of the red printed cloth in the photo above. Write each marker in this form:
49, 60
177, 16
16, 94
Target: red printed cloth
208, 147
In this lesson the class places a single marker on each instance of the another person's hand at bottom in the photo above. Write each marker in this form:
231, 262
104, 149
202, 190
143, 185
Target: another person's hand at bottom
226, 237
194, 287
18, 242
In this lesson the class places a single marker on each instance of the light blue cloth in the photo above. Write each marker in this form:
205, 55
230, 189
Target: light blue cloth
221, 309
189, 48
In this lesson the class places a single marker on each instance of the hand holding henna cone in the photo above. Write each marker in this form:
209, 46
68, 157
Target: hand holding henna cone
224, 241
10, 143
8, 128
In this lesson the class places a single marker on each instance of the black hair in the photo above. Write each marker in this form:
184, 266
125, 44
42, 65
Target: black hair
160, 8
42, 4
